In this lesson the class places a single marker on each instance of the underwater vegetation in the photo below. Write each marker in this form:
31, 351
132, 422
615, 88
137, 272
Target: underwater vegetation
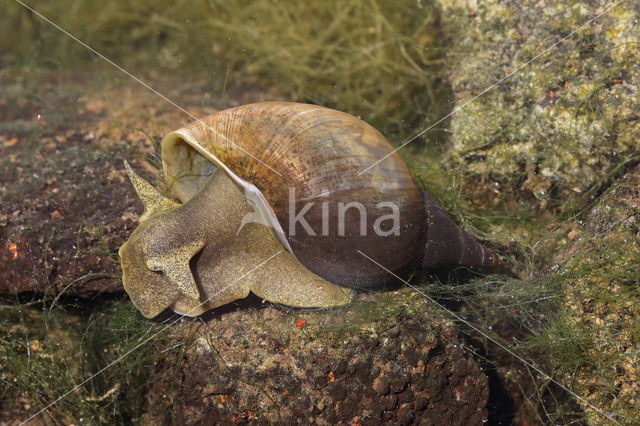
47, 351
600, 278
377, 60
542, 168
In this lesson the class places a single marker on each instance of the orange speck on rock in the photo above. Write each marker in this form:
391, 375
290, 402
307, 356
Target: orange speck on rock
13, 248
11, 142
332, 378
301, 322
223, 398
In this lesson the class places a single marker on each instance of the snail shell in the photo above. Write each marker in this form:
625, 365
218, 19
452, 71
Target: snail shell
297, 158
307, 159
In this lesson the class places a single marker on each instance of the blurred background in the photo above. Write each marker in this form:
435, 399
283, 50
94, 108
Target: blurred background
378, 60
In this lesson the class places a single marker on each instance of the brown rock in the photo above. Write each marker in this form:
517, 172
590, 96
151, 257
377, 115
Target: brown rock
277, 373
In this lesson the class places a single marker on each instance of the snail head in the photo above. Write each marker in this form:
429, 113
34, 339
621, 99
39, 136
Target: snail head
155, 259
195, 256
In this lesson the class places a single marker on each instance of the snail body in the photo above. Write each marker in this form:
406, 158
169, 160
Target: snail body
295, 172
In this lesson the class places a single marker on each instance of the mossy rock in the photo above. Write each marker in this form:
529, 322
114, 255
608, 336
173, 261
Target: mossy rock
58, 362
600, 276
557, 121
387, 357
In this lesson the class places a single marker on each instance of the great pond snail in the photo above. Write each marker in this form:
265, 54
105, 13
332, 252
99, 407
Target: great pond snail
277, 200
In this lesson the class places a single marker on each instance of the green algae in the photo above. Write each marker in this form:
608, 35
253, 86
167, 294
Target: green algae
559, 115
577, 320
601, 286
47, 353
547, 139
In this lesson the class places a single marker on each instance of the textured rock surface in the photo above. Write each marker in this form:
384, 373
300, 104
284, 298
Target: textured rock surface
601, 276
59, 224
384, 359
563, 121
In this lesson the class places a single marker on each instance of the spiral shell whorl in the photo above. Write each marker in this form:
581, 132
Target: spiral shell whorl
318, 152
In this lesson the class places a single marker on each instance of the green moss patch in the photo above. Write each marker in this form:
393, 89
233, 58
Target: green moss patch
562, 119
